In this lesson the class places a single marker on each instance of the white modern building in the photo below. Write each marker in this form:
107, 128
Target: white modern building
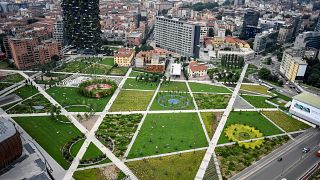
246, 53
306, 106
175, 70
178, 36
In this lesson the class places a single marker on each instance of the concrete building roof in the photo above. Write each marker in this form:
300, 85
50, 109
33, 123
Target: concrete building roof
308, 98
7, 129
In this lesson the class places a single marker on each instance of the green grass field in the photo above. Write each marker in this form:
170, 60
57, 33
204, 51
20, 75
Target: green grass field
178, 167
107, 61
212, 101
67, 96
199, 87
287, 123
119, 71
253, 119
120, 128
174, 86
50, 134
131, 101
185, 102
210, 121
13, 78
257, 101
26, 91
134, 84
27, 105
255, 88
135, 73
97, 69
164, 133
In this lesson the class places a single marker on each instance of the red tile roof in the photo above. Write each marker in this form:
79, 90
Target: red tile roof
194, 66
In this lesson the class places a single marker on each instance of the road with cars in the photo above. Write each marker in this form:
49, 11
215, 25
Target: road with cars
289, 161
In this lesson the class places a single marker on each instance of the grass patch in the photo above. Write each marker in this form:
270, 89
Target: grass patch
210, 121
251, 70
135, 73
97, 69
212, 101
199, 87
50, 134
13, 78
162, 101
257, 101
165, 133
107, 61
134, 84
28, 105
119, 128
253, 119
119, 71
4, 86
183, 166
26, 91
233, 159
131, 101
255, 88
67, 96
287, 123
174, 86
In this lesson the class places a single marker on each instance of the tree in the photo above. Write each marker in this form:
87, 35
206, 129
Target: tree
264, 73
269, 61
228, 32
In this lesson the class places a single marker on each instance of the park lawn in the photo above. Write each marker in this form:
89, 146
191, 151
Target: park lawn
212, 101
13, 78
174, 86
119, 128
135, 73
67, 96
5, 65
255, 88
97, 69
50, 134
165, 133
74, 66
184, 104
135, 84
107, 61
119, 71
287, 123
182, 166
128, 100
89, 174
4, 85
199, 87
91, 153
211, 121
27, 105
251, 70
26, 91
233, 159
258, 101
253, 119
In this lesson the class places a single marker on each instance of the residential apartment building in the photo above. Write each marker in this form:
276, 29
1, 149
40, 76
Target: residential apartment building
58, 31
285, 34
177, 36
30, 52
263, 39
124, 57
293, 66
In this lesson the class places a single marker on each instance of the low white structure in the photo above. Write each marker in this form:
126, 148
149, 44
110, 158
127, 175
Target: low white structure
306, 106
175, 69
246, 53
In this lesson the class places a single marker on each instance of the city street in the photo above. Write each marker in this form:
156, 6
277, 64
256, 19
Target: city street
288, 160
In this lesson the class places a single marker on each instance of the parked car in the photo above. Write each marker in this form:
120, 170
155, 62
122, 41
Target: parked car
305, 150
318, 153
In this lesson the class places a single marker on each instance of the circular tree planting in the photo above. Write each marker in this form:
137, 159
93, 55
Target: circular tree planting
97, 88
240, 132
174, 101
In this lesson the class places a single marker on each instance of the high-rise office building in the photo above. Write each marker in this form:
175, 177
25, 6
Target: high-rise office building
82, 24
308, 39
177, 36
250, 24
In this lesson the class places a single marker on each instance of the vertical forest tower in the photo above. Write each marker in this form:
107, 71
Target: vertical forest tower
82, 24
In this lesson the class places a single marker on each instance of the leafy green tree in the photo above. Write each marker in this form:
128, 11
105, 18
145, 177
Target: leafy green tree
264, 73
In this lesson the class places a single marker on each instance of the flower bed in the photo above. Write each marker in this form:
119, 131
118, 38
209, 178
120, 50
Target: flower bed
97, 88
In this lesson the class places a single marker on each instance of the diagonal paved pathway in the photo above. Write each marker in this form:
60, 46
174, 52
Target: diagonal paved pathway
91, 138
214, 140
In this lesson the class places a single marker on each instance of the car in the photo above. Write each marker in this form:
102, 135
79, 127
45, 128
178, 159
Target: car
318, 153
305, 150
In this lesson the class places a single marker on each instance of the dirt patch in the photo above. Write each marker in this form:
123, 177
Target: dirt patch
87, 123
110, 172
